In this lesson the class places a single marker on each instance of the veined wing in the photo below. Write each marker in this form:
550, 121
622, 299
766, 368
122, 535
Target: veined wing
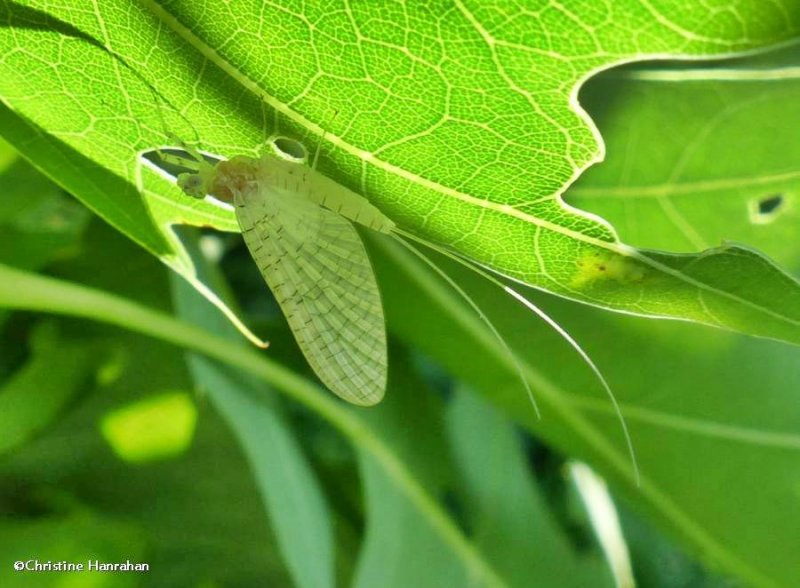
316, 265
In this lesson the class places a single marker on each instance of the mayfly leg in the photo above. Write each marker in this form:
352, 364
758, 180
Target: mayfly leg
319, 145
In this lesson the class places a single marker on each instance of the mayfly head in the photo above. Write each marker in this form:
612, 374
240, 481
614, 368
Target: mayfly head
222, 180
198, 184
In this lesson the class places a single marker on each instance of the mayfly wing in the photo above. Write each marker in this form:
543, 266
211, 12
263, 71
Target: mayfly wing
316, 265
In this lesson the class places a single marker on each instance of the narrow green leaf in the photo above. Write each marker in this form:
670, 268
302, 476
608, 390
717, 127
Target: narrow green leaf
401, 547
290, 490
511, 522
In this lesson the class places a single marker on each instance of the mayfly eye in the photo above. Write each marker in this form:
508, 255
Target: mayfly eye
192, 185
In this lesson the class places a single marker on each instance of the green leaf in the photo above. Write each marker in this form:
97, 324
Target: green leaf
466, 454
726, 165
290, 490
39, 222
55, 296
203, 502
401, 546
459, 121
718, 434
37, 394
704, 449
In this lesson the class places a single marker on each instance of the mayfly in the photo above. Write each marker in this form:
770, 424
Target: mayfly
298, 226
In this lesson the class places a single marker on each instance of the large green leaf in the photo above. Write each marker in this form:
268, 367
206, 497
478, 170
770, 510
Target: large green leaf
458, 120
726, 165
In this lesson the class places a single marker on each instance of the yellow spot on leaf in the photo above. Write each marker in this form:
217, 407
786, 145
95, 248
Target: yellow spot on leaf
597, 266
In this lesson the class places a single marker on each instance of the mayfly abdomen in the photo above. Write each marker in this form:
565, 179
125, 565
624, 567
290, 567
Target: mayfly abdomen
350, 205
325, 192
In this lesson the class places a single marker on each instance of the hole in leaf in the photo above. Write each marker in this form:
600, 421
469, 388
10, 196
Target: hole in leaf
766, 209
770, 204
174, 161
289, 148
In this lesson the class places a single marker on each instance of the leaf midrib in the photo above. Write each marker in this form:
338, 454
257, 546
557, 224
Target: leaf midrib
696, 426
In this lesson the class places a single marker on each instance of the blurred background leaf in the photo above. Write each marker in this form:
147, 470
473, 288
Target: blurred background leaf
290, 490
